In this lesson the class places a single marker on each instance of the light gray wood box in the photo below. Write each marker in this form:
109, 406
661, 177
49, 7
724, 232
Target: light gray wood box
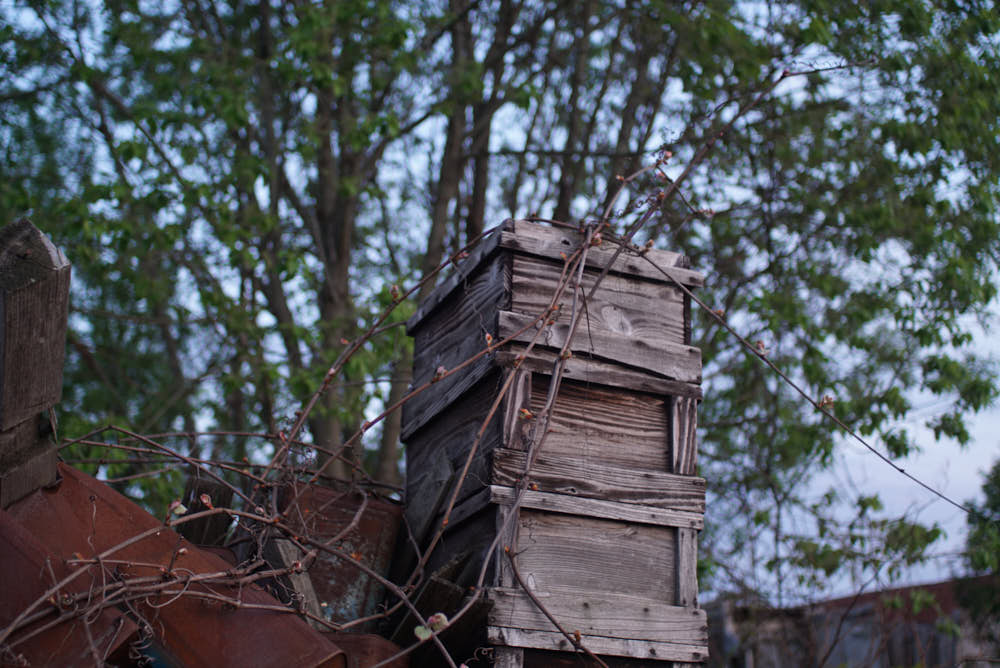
607, 533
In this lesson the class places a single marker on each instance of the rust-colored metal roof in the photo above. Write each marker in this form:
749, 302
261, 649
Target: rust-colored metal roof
365, 527
209, 625
28, 570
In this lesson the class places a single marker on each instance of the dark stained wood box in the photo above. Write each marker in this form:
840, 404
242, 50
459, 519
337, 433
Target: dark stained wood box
606, 533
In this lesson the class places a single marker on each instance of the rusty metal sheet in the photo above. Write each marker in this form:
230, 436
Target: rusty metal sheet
345, 592
29, 571
368, 649
208, 626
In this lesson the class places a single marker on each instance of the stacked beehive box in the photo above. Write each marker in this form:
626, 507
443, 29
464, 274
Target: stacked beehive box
605, 530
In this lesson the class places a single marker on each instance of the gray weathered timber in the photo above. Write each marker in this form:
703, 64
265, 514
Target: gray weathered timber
38, 470
597, 425
621, 306
640, 649
559, 552
455, 281
573, 477
553, 242
34, 305
601, 514
427, 405
687, 567
612, 615
458, 331
614, 510
672, 360
593, 371
518, 399
453, 433
508, 657
425, 496
683, 427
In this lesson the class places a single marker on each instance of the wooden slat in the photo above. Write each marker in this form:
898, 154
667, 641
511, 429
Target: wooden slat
626, 306
555, 551
613, 510
453, 433
593, 371
425, 494
34, 306
454, 282
551, 242
684, 435
574, 477
675, 361
687, 567
433, 401
458, 329
639, 649
37, 470
599, 426
606, 614
472, 536
518, 397
508, 528
508, 657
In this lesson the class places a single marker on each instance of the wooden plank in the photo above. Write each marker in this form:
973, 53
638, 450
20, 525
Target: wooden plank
552, 242
547, 658
518, 398
455, 430
555, 552
593, 371
454, 282
458, 329
508, 657
613, 510
622, 306
687, 567
673, 360
22, 442
599, 426
573, 477
34, 306
607, 614
433, 401
684, 435
426, 493
466, 508
36, 471
645, 649
507, 526
473, 536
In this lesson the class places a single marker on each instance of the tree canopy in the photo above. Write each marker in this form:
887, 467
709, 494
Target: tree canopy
241, 185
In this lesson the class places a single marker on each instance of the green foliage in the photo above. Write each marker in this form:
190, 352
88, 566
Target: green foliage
983, 540
239, 187
981, 597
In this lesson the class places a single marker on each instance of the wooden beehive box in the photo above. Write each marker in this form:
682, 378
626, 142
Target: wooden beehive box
606, 532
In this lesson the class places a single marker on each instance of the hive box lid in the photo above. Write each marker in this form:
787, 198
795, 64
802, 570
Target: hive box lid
554, 243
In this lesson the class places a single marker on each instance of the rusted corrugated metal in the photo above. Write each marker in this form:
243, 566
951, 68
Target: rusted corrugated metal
344, 591
367, 649
83, 517
28, 570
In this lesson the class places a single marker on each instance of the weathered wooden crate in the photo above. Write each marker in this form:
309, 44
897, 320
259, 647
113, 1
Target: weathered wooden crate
606, 533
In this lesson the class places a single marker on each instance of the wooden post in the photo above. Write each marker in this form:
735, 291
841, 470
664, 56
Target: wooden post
34, 306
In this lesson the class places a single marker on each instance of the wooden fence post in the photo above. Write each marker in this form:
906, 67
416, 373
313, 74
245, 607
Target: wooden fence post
34, 306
